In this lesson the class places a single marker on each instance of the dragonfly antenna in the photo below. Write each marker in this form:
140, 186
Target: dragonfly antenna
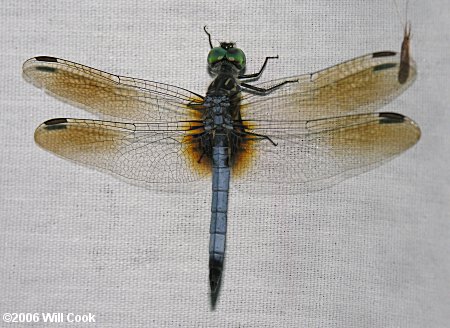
209, 36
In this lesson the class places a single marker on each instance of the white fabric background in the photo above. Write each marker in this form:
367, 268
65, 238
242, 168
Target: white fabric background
373, 251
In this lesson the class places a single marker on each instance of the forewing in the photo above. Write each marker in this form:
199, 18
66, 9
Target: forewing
361, 85
318, 153
108, 95
142, 153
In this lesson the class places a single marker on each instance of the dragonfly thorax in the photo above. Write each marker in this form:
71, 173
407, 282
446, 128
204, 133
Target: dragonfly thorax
217, 113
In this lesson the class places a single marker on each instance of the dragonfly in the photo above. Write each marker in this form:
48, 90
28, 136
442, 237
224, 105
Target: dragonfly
309, 131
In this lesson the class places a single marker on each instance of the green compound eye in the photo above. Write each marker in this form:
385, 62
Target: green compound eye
216, 55
236, 56
231, 54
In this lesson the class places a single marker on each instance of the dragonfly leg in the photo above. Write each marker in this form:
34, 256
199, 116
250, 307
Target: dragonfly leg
262, 136
265, 91
256, 76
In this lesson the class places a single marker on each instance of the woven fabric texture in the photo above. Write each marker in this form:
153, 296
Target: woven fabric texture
371, 251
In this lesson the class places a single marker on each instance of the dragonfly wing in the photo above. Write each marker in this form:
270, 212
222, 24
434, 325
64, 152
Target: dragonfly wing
360, 85
319, 153
142, 153
110, 95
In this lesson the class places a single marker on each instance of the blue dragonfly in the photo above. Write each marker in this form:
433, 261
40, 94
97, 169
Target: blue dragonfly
308, 131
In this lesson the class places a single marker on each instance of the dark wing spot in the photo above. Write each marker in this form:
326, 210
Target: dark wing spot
55, 121
383, 54
388, 118
46, 59
55, 124
46, 69
384, 66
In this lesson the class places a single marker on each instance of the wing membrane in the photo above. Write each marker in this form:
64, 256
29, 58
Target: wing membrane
318, 153
360, 85
139, 152
109, 95
318, 142
314, 154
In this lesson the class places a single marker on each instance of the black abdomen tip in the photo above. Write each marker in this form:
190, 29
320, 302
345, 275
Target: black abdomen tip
214, 279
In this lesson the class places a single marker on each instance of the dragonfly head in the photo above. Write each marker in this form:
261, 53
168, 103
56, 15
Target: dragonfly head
226, 53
